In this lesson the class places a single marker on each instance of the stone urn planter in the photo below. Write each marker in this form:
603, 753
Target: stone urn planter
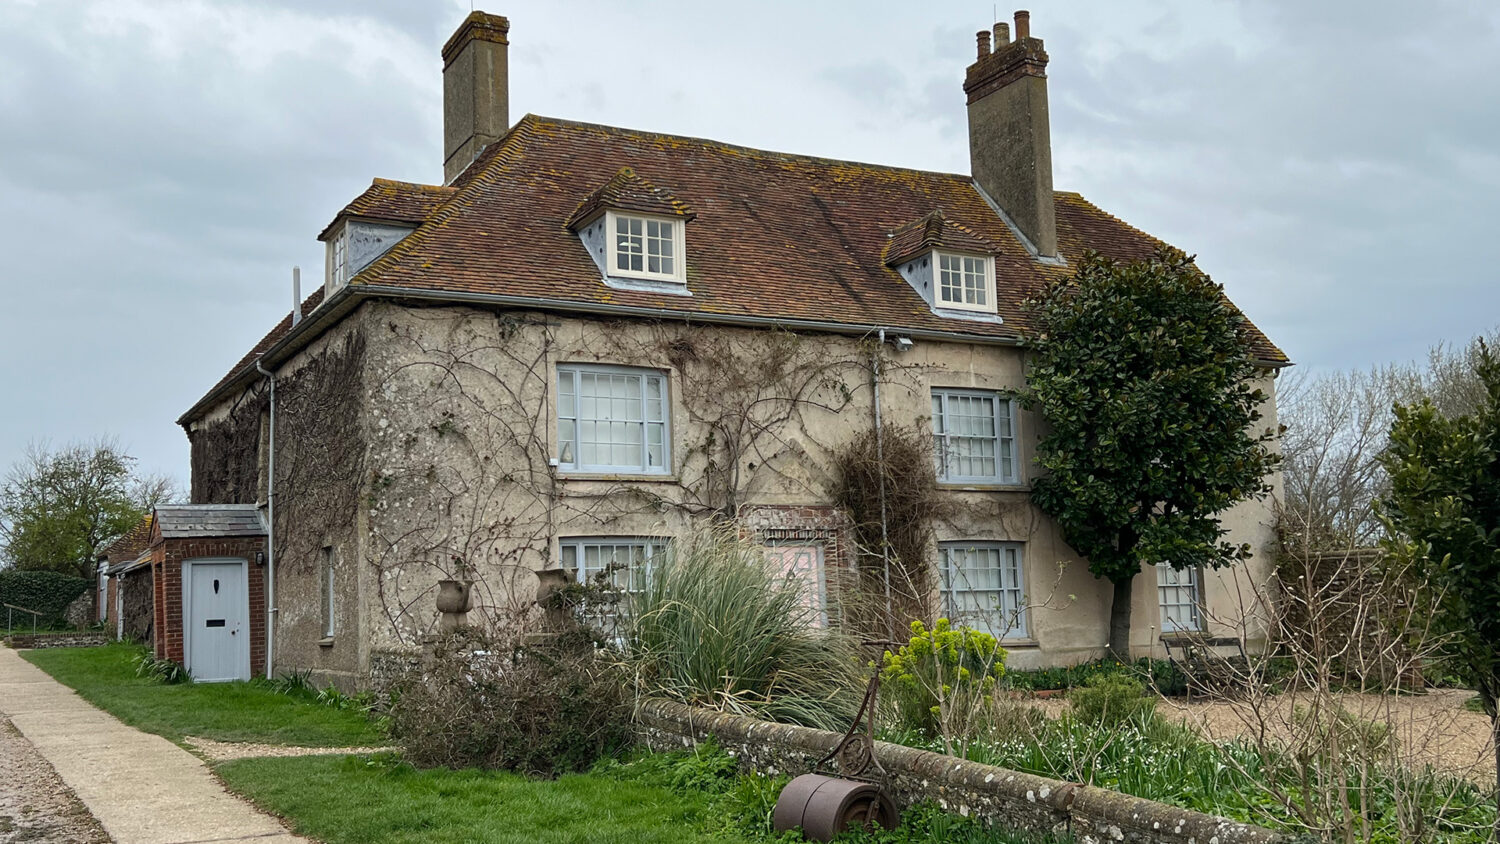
549, 582
453, 600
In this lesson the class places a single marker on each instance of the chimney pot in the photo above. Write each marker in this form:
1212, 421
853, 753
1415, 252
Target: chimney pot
984, 43
1002, 34
1010, 141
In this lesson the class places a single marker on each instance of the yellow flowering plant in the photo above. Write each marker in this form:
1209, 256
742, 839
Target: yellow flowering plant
943, 678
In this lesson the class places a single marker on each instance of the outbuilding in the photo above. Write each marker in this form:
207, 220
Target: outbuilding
207, 564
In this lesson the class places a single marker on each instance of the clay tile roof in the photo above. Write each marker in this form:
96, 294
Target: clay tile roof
392, 201
129, 546
777, 237
934, 231
627, 191
177, 521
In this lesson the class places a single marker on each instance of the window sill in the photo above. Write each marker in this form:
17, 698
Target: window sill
1021, 644
566, 475
325, 642
972, 486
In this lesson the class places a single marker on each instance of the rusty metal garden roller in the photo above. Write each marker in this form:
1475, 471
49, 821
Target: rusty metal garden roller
824, 806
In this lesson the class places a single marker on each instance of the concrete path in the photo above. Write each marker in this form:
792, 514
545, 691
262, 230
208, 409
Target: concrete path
142, 788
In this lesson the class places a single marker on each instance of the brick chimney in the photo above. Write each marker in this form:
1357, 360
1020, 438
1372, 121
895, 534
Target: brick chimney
1010, 145
476, 102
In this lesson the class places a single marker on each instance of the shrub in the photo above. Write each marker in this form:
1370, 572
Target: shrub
489, 702
943, 678
1335, 726
165, 671
1159, 674
293, 683
717, 626
1110, 700
47, 592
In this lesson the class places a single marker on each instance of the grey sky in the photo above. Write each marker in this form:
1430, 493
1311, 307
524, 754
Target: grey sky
164, 164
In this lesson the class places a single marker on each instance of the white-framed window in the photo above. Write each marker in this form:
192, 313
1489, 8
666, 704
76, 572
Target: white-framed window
328, 592
645, 247
103, 601
1179, 592
974, 437
612, 419
966, 282
983, 586
627, 562
338, 259
627, 559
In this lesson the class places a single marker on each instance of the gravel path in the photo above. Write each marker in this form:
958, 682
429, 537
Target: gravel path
218, 751
1433, 728
35, 806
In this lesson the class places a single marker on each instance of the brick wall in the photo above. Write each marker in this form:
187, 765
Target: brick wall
1020, 801
167, 559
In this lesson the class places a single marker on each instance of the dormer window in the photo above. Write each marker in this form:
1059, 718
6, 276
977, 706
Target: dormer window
645, 247
950, 267
966, 282
635, 232
338, 259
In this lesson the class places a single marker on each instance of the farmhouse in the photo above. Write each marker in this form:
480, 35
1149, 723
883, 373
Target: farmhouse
588, 338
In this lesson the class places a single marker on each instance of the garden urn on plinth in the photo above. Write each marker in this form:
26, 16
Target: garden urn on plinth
549, 584
453, 600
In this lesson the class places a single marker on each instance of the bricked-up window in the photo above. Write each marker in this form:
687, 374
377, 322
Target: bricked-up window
645, 247
983, 587
966, 282
1180, 596
326, 576
612, 420
974, 437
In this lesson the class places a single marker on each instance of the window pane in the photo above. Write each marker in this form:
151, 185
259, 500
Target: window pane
604, 417
566, 435
982, 587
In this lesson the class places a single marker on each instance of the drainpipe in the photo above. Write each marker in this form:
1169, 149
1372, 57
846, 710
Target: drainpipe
885, 545
271, 608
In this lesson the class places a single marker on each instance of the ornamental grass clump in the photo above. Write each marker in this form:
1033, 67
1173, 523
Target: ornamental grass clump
717, 625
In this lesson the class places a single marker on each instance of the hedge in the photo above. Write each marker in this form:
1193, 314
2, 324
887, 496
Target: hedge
47, 592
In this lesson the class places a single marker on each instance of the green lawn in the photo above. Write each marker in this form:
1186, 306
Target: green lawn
362, 801
105, 677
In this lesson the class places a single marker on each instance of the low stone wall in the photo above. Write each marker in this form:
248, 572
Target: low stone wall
1017, 800
56, 640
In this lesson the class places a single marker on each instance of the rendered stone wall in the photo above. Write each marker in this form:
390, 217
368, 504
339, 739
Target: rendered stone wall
451, 417
1011, 798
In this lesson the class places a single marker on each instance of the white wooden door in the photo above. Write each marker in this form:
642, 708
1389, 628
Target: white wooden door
216, 613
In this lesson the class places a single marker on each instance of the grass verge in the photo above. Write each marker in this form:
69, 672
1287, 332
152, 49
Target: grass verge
105, 676
363, 800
